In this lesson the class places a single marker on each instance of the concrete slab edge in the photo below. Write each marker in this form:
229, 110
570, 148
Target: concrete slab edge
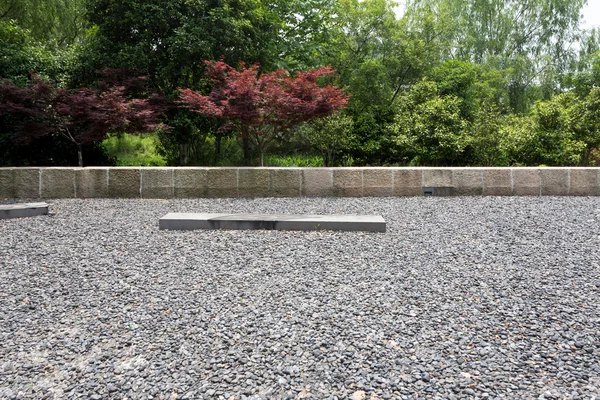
22, 210
350, 223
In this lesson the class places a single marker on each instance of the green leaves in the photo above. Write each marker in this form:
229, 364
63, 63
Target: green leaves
429, 126
21, 54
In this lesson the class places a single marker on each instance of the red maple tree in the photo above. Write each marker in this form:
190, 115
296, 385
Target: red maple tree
263, 106
83, 116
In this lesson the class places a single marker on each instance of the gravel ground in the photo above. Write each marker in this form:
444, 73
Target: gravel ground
481, 297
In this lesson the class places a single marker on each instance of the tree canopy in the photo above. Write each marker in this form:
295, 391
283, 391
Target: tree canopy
445, 82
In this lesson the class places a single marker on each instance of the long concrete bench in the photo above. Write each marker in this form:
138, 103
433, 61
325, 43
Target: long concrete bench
22, 210
191, 221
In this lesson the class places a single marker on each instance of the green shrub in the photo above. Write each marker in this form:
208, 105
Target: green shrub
134, 150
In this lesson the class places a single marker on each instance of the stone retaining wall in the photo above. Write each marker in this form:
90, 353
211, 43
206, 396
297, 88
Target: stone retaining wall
184, 182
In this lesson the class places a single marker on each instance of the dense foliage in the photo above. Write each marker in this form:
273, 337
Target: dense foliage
83, 116
263, 107
438, 82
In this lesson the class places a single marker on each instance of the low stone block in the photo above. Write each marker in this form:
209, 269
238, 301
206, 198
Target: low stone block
91, 182
253, 182
347, 182
222, 182
584, 182
157, 183
408, 182
7, 183
497, 182
192, 221
285, 182
554, 181
526, 181
27, 183
437, 178
190, 182
317, 182
58, 183
124, 182
22, 210
377, 182
467, 182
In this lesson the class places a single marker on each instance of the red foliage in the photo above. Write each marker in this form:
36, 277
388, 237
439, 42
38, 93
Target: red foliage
88, 115
263, 105
25, 109
84, 115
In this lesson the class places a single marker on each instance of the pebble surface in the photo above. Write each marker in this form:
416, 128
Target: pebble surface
464, 297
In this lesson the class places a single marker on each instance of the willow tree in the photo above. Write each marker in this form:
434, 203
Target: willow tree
531, 39
56, 22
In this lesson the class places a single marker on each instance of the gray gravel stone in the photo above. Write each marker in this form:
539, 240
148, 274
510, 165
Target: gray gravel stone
465, 297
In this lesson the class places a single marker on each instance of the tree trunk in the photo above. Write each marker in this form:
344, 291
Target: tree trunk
218, 148
326, 158
262, 159
79, 155
246, 147
184, 153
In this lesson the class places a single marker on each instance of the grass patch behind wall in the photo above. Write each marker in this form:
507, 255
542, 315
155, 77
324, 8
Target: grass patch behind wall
134, 150
296, 160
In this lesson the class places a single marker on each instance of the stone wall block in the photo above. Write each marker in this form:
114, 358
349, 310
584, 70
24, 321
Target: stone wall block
467, 181
497, 182
221, 182
27, 183
285, 182
124, 182
317, 182
91, 182
253, 182
190, 182
58, 183
347, 182
157, 183
526, 181
408, 182
7, 183
555, 181
437, 178
198, 182
377, 182
585, 182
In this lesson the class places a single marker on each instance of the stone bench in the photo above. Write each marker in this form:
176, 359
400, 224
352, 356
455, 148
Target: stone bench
22, 210
191, 221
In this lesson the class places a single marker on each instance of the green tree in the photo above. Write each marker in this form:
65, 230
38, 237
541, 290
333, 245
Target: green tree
585, 74
556, 135
168, 40
306, 31
21, 54
59, 23
531, 39
428, 128
40, 36
328, 136
377, 59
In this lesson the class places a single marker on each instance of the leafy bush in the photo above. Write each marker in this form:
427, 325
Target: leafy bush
327, 136
429, 127
134, 150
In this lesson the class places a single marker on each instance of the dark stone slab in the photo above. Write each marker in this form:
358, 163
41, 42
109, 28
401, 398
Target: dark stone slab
191, 221
22, 210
